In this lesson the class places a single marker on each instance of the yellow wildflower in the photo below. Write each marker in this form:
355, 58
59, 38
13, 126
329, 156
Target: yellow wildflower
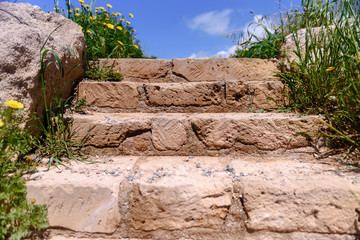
33, 200
14, 104
127, 22
113, 14
76, 14
81, 27
104, 23
117, 71
107, 19
130, 14
87, 6
134, 30
109, 25
77, 9
102, 8
1, 123
88, 31
109, 6
70, 11
81, 1
96, 11
104, 29
246, 49
55, 9
96, 8
135, 46
139, 45
120, 43
118, 13
122, 20
118, 27
330, 69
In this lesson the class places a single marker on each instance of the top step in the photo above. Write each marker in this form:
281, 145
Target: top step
193, 70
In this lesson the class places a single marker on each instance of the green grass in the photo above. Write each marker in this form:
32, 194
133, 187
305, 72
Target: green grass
326, 78
108, 34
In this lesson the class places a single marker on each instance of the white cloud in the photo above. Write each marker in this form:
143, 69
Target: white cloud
227, 52
213, 23
200, 54
253, 28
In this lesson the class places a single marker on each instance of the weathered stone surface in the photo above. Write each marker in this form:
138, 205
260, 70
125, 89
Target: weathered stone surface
268, 94
82, 197
196, 134
265, 131
168, 134
109, 94
139, 68
184, 94
288, 196
221, 69
23, 31
176, 197
106, 131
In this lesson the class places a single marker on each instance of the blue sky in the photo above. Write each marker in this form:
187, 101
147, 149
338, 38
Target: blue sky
183, 28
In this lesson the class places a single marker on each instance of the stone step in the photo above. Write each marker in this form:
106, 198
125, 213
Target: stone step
199, 198
230, 96
210, 134
193, 70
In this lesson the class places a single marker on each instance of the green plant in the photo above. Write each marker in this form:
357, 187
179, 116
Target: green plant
18, 217
108, 34
326, 78
78, 106
102, 73
57, 140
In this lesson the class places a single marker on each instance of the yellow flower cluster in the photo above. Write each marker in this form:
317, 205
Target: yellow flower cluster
14, 104
330, 69
109, 25
130, 14
108, 5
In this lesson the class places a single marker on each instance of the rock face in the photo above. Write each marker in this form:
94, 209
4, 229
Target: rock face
200, 198
23, 30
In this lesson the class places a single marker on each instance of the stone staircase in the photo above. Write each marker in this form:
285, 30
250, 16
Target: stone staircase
182, 150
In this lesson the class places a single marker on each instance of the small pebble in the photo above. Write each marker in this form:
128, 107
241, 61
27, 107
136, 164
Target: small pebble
198, 165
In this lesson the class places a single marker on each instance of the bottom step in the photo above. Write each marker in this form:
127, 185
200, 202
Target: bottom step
199, 198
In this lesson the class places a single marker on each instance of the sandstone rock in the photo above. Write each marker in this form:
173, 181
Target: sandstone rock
287, 53
168, 134
106, 94
222, 69
23, 31
265, 131
268, 94
103, 131
183, 94
138, 69
78, 198
286, 196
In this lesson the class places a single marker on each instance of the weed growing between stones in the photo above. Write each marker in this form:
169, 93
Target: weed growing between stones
326, 78
56, 142
18, 217
108, 34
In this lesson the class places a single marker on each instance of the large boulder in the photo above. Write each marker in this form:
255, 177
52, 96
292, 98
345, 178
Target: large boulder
23, 31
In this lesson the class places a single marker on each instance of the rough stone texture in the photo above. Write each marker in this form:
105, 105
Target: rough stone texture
287, 55
229, 96
205, 133
221, 69
107, 131
265, 131
81, 197
193, 94
23, 31
139, 69
109, 94
168, 134
201, 198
